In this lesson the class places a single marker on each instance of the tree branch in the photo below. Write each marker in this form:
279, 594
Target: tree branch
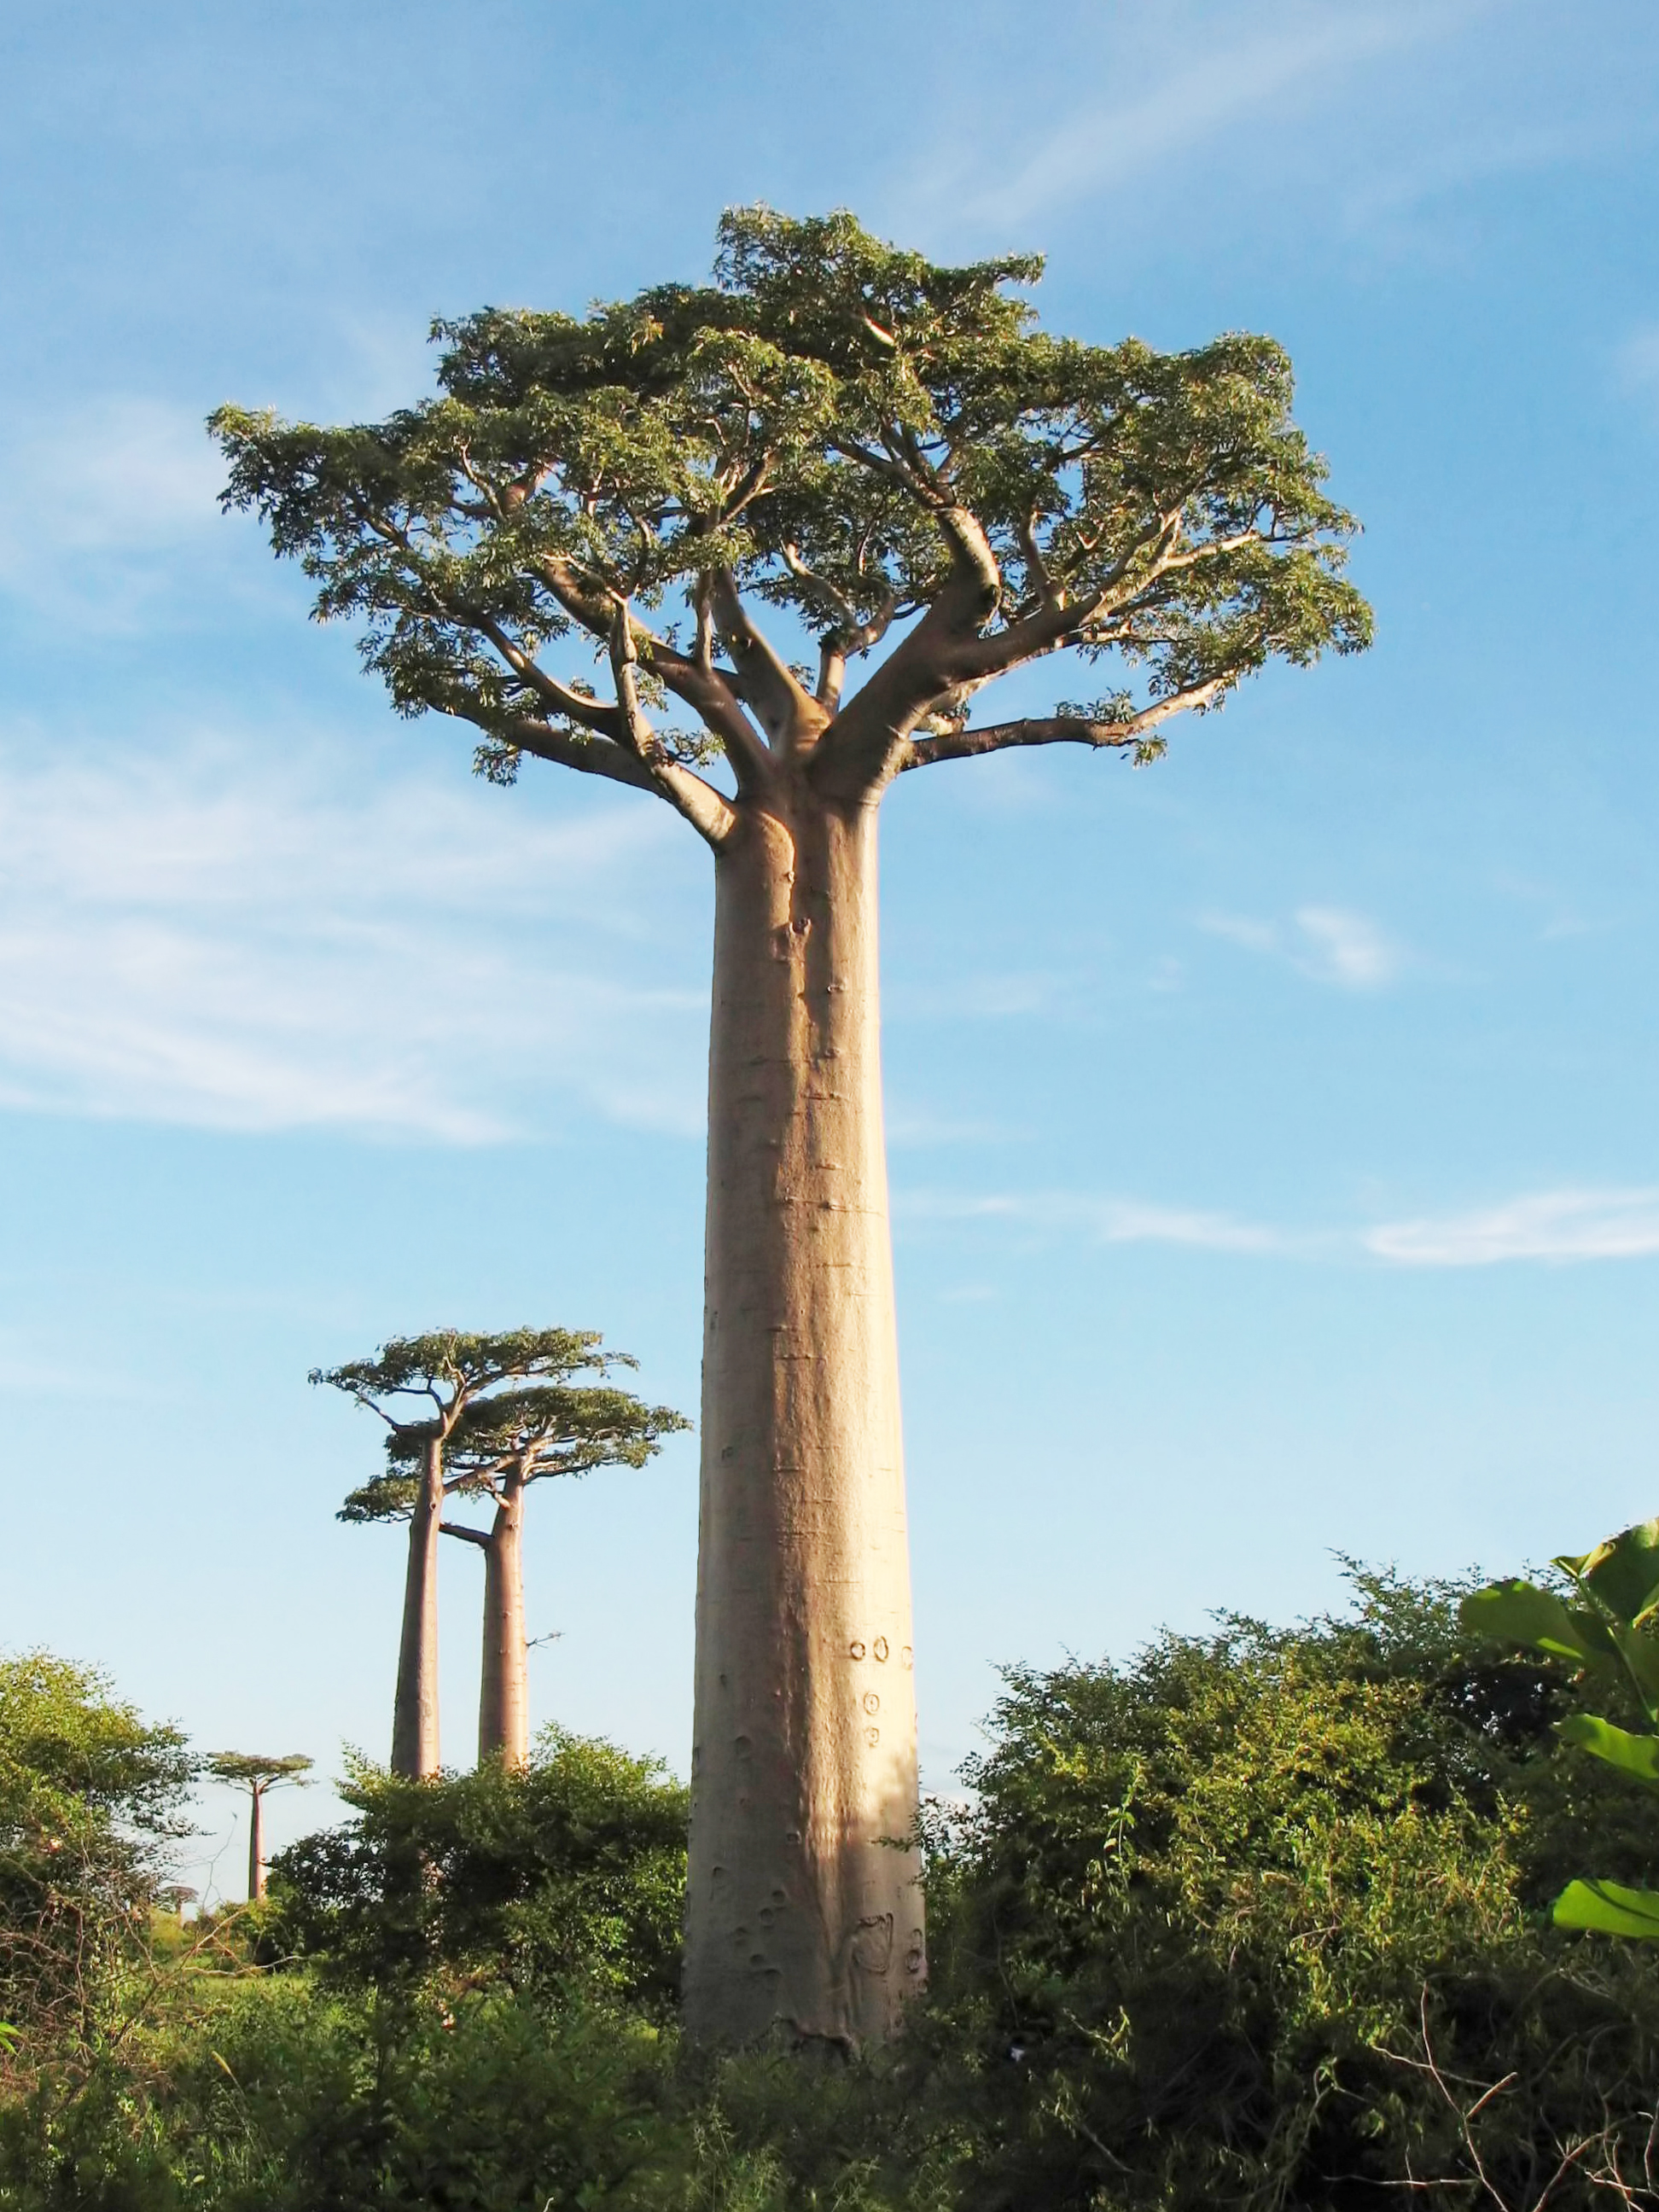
1057, 730
467, 1536
702, 806
768, 683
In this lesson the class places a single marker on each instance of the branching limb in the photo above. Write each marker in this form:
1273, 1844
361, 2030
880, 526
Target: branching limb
467, 1536
768, 683
702, 806
968, 743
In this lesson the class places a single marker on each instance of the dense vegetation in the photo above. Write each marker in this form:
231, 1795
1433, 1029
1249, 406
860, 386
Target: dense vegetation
1259, 1920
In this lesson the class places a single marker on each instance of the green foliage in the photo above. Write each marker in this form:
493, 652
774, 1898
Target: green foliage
1253, 1921
260, 1768
569, 1874
89, 1798
1610, 1635
813, 423
1257, 1920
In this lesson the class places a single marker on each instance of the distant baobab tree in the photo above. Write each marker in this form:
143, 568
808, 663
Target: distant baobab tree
420, 1387
886, 454
261, 1773
502, 1445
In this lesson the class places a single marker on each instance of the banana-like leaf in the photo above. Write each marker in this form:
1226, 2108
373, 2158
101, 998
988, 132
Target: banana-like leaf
1609, 1909
1521, 1612
1624, 1572
1640, 1652
1636, 1756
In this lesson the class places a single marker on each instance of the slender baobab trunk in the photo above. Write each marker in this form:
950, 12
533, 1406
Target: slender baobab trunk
503, 1687
803, 1906
256, 1845
415, 1712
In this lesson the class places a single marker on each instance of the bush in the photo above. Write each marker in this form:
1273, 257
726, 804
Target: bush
1256, 1920
90, 1798
568, 1874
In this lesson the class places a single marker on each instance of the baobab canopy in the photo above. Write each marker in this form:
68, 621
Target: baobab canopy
838, 450
844, 431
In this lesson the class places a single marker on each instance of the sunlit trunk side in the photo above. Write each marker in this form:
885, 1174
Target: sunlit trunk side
803, 1907
256, 1845
415, 1747
503, 1686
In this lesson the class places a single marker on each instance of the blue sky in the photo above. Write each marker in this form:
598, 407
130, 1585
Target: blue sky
1274, 1142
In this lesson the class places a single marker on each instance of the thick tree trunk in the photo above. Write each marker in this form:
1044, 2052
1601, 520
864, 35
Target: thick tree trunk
256, 1846
803, 1907
503, 1686
414, 1748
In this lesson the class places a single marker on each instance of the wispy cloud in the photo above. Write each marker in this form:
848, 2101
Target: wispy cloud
1637, 363
1107, 1220
101, 498
1550, 1225
1547, 1226
1166, 100
228, 936
1327, 944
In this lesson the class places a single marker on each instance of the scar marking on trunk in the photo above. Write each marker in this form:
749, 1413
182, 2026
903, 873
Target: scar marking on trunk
856, 1650
880, 1647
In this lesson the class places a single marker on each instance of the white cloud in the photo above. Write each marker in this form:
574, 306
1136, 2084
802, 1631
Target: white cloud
1551, 1225
1179, 84
1344, 948
235, 937
1109, 1220
1329, 944
101, 499
1639, 363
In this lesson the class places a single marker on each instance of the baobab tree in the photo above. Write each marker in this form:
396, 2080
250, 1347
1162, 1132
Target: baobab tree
261, 1773
420, 1387
502, 1445
892, 456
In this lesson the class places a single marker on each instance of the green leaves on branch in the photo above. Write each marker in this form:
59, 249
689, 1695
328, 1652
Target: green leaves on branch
1610, 1633
835, 427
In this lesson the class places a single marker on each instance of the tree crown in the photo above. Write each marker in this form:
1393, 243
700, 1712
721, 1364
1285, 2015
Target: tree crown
263, 1769
450, 1367
870, 443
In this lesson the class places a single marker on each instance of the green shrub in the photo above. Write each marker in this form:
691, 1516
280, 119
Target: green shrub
570, 1873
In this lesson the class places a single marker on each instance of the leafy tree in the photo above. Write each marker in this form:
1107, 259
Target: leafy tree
1254, 1921
261, 1772
890, 457
1611, 1634
90, 1797
567, 1873
502, 1445
448, 1368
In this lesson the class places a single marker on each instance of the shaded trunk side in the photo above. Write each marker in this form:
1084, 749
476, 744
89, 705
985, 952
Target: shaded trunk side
414, 1747
256, 1845
803, 1907
503, 1686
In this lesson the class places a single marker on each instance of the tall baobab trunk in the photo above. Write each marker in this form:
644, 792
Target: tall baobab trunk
803, 1906
414, 1748
256, 1845
503, 1686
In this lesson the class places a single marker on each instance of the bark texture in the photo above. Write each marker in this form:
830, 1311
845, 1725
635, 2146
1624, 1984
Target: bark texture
803, 1908
503, 1686
414, 1746
256, 1845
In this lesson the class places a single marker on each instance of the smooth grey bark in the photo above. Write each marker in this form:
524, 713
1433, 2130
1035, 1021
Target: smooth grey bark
415, 1744
256, 1845
503, 1684
803, 1907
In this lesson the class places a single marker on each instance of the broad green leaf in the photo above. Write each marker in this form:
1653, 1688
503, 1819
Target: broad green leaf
1624, 1572
1640, 1653
1521, 1612
1636, 1756
1609, 1909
